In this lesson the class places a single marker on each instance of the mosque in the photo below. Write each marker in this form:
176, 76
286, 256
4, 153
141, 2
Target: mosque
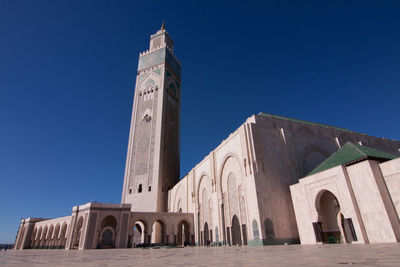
274, 180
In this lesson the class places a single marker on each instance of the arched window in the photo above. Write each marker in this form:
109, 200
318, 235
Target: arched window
130, 190
140, 188
149, 188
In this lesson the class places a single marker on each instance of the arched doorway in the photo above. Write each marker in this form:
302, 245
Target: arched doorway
44, 237
158, 233
107, 238
78, 233
328, 210
63, 239
236, 235
50, 236
38, 237
138, 236
107, 235
183, 234
206, 234
56, 240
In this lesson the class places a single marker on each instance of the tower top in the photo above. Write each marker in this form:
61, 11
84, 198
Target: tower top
161, 39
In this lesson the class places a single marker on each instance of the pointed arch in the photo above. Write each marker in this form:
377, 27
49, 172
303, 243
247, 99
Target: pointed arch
230, 163
49, 238
63, 235
204, 192
311, 157
204, 182
178, 199
56, 236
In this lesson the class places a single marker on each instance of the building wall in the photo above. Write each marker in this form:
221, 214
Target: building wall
170, 224
286, 150
363, 196
205, 188
306, 196
42, 233
373, 201
391, 173
267, 155
101, 225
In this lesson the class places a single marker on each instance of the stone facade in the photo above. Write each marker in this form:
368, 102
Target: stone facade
365, 203
247, 177
240, 194
100, 225
152, 164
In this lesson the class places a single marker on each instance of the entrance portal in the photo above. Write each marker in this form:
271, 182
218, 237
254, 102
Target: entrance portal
328, 209
107, 235
183, 234
107, 238
158, 233
236, 235
206, 235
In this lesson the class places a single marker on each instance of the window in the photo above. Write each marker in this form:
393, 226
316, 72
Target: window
140, 188
130, 191
149, 188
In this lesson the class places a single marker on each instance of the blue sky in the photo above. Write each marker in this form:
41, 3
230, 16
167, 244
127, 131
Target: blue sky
67, 73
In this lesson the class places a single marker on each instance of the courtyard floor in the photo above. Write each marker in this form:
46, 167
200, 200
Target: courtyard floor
293, 255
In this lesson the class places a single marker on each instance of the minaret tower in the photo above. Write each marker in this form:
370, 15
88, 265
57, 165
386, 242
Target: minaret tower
152, 161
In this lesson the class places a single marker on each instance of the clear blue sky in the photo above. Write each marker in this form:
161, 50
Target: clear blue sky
67, 73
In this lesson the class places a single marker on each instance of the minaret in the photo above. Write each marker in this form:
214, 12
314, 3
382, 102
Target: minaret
152, 161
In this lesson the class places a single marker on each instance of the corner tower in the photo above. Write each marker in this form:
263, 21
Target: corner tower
152, 162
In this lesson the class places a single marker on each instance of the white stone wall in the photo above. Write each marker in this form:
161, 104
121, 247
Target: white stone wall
48, 233
305, 196
366, 191
391, 173
364, 177
266, 156
206, 187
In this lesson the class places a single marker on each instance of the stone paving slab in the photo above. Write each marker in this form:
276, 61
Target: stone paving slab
293, 255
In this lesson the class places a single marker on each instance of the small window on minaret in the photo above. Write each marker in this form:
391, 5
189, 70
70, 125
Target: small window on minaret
149, 188
130, 190
140, 188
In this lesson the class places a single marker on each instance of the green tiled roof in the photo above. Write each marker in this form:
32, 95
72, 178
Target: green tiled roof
351, 153
302, 121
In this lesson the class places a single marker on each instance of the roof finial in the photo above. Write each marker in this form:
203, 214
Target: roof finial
163, 26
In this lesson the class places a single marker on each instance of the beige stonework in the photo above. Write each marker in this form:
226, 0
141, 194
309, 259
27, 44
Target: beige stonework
99, 225
152, 162
247, 191
364, 192
248, 177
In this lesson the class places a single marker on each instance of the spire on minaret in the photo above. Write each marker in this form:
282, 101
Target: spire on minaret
163, 26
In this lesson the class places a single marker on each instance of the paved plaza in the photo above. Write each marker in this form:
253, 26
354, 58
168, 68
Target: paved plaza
293, 255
